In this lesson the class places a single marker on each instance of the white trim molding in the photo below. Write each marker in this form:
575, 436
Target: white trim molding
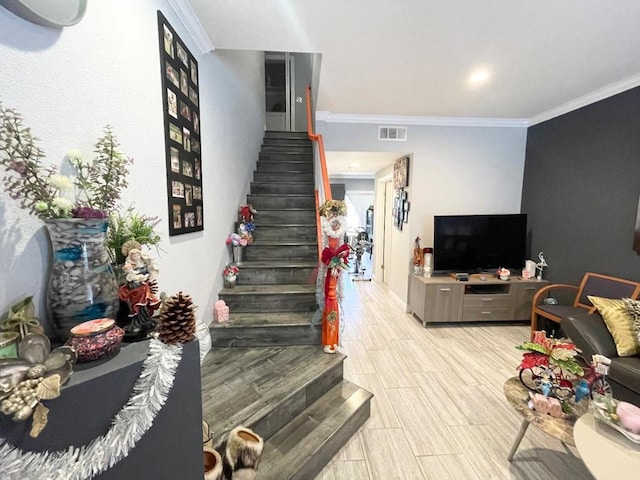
329, 117
190, 20
593, 97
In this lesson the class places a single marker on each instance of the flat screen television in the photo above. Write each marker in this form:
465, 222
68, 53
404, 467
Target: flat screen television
479, 243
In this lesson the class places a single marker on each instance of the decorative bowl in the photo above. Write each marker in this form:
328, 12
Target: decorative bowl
95, 339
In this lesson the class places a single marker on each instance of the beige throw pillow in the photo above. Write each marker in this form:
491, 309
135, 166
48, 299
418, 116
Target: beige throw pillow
620, 324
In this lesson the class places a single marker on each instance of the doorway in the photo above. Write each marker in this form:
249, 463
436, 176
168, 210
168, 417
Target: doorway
279, 79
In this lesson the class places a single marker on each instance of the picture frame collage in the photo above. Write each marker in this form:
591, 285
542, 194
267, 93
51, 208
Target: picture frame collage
181, 111
401, 204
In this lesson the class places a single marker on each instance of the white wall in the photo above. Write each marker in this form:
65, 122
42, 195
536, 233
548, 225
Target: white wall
453, 170
69, 83
355, 184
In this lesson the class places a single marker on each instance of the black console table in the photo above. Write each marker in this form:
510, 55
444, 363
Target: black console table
171, 449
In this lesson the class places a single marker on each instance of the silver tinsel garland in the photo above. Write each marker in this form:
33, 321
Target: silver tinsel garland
129, 425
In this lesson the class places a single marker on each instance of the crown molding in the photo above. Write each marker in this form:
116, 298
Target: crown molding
190, 20
593, 97
361, 175
402, 120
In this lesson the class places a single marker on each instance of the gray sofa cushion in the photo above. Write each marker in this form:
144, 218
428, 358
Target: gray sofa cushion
626, 371
590, 334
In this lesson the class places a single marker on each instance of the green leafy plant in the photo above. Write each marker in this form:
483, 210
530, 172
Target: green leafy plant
127, 227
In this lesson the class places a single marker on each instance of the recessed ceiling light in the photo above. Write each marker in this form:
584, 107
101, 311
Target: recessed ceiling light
479, 77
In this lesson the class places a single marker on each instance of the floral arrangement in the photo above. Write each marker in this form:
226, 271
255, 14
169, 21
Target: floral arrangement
43, 191
544, 351
332, 208
130, 227
236, 240
230, 270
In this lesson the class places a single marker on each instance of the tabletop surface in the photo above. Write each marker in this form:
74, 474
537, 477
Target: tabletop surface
607, 453
518, 396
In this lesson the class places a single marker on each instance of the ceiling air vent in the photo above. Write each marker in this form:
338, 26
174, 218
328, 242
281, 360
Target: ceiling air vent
394, 134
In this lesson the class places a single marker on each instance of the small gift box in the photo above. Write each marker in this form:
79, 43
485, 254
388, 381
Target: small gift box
220, 312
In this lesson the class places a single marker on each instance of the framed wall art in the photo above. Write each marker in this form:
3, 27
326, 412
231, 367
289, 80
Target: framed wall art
401, 173
181, 112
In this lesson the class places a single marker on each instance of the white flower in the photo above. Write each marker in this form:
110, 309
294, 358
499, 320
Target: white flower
41, 206
74, 156
61, 182
62, 204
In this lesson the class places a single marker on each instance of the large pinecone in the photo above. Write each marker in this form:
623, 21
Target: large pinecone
177, 322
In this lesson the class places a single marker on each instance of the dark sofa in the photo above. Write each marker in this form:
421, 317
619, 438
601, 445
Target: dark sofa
590, 334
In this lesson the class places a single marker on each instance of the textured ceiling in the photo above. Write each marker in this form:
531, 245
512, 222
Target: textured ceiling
413, 57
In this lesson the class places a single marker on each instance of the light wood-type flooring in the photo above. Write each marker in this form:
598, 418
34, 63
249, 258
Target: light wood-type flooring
439, 411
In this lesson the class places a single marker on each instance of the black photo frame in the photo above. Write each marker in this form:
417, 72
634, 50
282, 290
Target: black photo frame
181, 113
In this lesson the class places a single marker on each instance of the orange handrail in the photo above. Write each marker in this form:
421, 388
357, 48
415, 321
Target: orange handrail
318, 138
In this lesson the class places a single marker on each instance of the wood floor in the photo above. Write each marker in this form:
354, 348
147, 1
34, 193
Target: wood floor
438, 411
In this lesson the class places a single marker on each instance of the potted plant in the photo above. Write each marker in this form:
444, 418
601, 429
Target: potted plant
82, 285
230, 275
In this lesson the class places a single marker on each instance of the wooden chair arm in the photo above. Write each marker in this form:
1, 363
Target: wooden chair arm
544, 290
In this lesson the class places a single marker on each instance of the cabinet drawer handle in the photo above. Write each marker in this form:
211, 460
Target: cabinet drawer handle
531, 288
485, 313
487, 299
445, 289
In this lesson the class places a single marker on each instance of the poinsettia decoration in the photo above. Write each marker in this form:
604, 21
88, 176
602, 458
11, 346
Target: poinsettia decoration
544, 351
337, 259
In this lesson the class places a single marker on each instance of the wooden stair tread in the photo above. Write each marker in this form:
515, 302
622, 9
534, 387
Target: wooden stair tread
278, 263
247, 384
266, 319
275, 243
288, 289
309, 441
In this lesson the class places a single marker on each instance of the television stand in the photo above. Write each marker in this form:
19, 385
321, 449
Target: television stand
443, 299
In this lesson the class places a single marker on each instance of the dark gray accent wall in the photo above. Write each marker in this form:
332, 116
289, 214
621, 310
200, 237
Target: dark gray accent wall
581, 187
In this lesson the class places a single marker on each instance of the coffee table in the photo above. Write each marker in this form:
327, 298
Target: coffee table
607, 453
518, 396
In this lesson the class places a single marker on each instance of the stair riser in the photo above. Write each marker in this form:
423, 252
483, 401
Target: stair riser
290, 167
290, 234
280, 134
285, 157
277, 177
259, 252
303, 142
277, 202
284, 216
275, 276
270, 303
298, 188
328, 450
287, 149
288, 409
265, 337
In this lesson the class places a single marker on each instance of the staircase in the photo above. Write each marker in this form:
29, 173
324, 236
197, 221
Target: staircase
267, 370
294, 397
274, 300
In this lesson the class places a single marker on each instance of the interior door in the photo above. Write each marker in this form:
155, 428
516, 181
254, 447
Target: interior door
279, 79
387, 222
